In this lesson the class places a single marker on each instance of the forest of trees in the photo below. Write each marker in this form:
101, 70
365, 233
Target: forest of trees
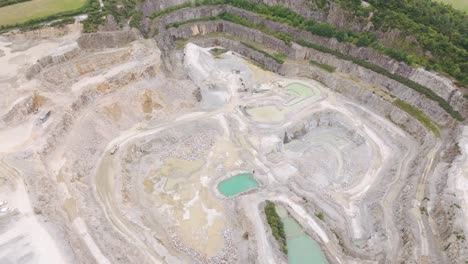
440, 30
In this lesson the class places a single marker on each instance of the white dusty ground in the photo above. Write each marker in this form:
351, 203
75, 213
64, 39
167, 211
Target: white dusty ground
23, 239
125, 168
460, 176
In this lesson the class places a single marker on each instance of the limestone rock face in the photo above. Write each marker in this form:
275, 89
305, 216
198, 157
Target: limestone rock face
150, 6
112, 39
441, 85
70, 52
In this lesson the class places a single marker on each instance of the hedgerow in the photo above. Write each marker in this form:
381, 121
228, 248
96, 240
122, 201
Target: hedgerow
11, 2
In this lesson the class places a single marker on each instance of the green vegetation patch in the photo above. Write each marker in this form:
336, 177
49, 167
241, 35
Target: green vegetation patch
437, 28
169, 10
63, 22
461, 5
11, 2
33, 12
276, 225
278, 57
247, 23
122, 11
419, 115
326, 67
135, 20
194, 20
320, 216
217, 52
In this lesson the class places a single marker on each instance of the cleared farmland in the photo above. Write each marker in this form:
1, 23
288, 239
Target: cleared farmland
25, 11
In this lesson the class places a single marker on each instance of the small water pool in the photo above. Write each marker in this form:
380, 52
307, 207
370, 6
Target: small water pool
303, 94
302, 249
299, 90
237, 184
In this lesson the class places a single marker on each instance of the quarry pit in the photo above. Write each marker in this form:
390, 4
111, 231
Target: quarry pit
116, 154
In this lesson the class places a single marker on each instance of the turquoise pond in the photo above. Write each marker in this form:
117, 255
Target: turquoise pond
302, 249
237, 184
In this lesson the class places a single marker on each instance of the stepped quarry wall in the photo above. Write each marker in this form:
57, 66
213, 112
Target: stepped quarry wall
104, 40
439, 84
429, 107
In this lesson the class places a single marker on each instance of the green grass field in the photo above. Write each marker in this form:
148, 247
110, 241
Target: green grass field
22, 12
457, 4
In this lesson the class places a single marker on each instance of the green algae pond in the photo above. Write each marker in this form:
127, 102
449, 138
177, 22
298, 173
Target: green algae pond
301, 92
302, 249
301, 95
237, 184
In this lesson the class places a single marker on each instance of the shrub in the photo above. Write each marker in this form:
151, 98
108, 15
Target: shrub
11, 2
278, 58
419, 115
276, 225
320, 216
326, 67
135, 20
63, 22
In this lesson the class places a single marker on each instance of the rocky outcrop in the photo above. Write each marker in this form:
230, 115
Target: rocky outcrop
70, 53
112, 39
266, 62
150, 6
324, 11
235, 30
187, 14
203, 28
313, 10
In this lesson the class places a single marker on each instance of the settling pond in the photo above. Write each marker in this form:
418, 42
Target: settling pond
301, 95
302, 249
237, 184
